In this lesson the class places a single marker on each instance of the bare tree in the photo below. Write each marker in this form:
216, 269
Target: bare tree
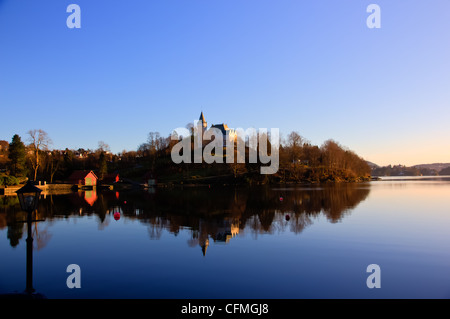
39, 141
154, 142
295, 139
154, 146
295, 146
103, 147
54, 163
333, 154
190, 127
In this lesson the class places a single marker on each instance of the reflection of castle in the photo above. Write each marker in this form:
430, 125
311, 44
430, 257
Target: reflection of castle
221, 127
227, 232
220, 231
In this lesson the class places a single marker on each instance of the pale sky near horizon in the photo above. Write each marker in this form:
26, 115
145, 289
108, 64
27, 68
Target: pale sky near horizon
307, 66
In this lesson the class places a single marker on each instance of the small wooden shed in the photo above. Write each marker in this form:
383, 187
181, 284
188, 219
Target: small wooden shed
86, 178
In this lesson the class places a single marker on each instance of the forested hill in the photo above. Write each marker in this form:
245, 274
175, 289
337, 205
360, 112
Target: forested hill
436, 166
299, 161
416, 170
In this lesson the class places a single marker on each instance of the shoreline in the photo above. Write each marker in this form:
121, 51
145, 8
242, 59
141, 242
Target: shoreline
62, 188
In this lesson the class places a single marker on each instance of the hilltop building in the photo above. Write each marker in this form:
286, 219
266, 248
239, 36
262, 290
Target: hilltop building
221, 127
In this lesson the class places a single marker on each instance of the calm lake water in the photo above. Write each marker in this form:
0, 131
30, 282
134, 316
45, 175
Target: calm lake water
273, 242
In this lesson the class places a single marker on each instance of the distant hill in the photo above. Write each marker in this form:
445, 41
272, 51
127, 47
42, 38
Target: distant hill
416, 170
436, 166
445, 171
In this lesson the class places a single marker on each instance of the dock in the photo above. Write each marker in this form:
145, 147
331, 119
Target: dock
46, 188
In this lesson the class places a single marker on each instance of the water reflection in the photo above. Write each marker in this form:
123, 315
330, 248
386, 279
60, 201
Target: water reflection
210, 214
30, 292
90, 197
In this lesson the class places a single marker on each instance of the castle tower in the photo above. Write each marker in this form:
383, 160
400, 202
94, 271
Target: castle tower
205, 246
202, 119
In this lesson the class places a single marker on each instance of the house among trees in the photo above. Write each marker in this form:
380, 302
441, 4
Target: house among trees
84, 178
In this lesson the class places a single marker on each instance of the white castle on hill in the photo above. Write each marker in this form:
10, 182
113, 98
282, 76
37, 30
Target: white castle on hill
222, 127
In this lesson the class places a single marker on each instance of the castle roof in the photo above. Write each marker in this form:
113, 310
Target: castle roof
222, 127
202, 117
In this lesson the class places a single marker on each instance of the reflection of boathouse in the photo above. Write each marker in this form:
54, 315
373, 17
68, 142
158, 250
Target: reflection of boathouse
90, 197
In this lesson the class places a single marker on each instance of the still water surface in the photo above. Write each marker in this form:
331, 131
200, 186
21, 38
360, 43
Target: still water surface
273, 242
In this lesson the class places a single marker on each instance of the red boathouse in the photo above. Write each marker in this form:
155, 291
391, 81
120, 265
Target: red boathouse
85, 178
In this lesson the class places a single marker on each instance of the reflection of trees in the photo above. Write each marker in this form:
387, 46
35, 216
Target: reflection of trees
332, 200
155, 227
212, 214
41, 237
10, 215
298, 222
266, 218
215, 214
15, 233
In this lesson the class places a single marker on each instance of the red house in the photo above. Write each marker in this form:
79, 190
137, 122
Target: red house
87, 178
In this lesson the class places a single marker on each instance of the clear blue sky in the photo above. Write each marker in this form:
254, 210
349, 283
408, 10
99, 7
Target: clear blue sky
153, 65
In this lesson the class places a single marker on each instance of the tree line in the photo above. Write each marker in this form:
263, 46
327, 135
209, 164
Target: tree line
402, 170
302, 161
18, 160
299, 161
34, 159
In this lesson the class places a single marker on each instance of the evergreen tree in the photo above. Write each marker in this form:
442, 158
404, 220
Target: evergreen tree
17, 155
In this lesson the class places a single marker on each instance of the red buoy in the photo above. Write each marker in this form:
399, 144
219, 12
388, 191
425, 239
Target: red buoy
117, 216
281, 198
287, 217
